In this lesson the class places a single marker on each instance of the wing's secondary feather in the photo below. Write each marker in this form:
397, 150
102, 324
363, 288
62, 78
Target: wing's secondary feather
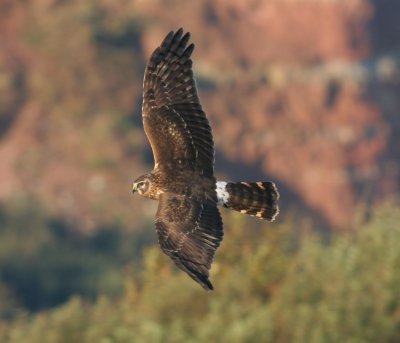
172, 114
189, 232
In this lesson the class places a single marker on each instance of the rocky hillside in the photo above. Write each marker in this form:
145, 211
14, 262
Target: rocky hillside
302, 92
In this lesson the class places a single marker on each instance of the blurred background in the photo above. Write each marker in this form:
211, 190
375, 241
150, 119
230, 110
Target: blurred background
302, 92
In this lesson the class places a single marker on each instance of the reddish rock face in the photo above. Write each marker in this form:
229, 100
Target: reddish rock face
237, 33
304, 92
322, 152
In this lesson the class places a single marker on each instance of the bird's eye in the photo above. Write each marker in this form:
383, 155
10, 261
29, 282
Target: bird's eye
142, 186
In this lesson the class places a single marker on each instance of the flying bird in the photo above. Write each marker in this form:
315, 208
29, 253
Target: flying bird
188, 222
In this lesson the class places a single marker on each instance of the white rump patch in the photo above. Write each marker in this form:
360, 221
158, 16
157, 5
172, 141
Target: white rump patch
222, 193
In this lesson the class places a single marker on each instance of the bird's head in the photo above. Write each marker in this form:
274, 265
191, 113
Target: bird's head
142, 185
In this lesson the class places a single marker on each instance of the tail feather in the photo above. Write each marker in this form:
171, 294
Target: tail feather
259, 199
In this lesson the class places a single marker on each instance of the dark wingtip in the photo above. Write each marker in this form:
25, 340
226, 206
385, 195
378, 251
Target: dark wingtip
168, 38
185, 39
188, 50
207, 285
178, 35
203, 280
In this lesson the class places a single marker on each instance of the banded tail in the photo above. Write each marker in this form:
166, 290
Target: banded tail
259, 199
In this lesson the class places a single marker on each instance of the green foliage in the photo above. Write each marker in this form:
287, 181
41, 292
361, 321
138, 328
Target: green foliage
43, 261
272, 285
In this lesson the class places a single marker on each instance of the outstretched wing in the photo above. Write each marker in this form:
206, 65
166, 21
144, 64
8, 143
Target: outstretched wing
177, 128
189, 232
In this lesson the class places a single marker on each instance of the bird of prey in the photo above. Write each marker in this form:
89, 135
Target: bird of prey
188, 222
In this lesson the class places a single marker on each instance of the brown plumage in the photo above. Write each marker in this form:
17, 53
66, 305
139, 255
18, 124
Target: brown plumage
188, 222
257, 199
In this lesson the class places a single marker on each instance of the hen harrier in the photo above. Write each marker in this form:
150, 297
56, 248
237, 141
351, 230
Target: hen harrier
188, 222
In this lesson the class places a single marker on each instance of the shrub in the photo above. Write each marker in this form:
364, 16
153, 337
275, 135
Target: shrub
267, 290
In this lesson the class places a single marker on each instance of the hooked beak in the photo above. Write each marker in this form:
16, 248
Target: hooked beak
134, 188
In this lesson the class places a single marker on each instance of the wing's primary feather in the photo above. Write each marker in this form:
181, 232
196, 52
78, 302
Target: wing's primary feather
174, 122
189, 232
